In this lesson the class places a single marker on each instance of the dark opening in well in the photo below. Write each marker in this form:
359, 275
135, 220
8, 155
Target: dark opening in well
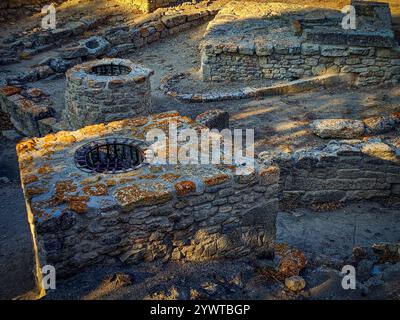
109, 156
110, 70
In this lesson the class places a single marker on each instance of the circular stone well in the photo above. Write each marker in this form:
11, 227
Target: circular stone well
106, 90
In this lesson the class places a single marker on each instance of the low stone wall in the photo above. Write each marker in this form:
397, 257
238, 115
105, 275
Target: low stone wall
279, 41
372, 65
106, 90
156, 26
339, 172
170, 83
26, 108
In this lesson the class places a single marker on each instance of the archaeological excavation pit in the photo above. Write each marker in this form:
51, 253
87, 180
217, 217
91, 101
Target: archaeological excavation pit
106, 90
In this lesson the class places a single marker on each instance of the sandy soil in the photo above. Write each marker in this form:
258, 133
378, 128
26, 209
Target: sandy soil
326, 238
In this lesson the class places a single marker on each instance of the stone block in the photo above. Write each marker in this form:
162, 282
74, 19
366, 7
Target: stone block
338, 128
214, 119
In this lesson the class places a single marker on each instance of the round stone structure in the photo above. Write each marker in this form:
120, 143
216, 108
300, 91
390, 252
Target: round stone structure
106, 90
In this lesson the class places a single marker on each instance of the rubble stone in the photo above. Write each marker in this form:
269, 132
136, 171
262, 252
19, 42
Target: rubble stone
295, 283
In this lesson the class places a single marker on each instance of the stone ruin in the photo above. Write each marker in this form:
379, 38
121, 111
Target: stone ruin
285, 42
91, 199
106, 90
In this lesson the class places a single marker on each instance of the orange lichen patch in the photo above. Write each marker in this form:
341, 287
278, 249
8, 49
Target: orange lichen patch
65, 138
396, 115
25, 167
164, 127
167, 114
125, 180
26, 145
184, 187
230, 167
137, 122
93, 129
147, 176
78, 203
63, 187
187, 119
29, 179
90, 180
269, 170
281, 248
155, 169
111, 182
269, 175
10, 90
35, 92
292, 263
48, 142
198, 127
215, 180
177, 121
47, 153
66, 186
35, 190
45, 169
170, 177
29, 106
135, 134
133, 196
285, 148
95, 190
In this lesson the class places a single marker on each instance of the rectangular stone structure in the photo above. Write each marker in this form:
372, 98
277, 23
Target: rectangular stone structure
279, 41
154, 212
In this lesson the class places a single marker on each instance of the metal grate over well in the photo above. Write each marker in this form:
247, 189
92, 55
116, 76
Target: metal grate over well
111, 155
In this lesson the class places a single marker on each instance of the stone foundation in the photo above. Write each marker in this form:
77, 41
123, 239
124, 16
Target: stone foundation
178, 212
290, 53
26, 108
106, 90
343, 171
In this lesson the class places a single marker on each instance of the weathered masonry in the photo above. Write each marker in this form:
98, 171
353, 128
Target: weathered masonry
106, 90
92, 199
286, 42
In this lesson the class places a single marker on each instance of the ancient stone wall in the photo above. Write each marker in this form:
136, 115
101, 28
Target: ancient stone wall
227, 220
151, 5
239, 63
288, 42
180, 212
340, 171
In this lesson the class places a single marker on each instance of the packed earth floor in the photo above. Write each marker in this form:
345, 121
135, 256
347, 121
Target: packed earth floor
326, 233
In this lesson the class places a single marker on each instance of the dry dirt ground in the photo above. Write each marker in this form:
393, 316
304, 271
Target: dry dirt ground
280, 123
